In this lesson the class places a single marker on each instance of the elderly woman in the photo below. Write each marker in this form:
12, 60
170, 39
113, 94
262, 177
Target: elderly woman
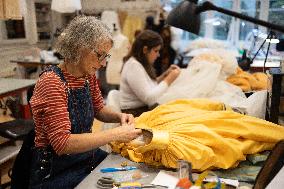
65, 101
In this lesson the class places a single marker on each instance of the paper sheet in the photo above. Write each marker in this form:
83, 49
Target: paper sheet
165, 179
277, 182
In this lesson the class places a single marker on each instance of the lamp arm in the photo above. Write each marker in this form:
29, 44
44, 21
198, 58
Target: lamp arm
210, 6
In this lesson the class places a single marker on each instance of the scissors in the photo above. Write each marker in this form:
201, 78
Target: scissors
108, 183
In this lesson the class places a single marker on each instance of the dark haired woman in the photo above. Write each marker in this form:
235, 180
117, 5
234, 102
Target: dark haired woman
139, 86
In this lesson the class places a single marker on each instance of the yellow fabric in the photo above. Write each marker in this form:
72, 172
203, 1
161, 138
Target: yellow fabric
202, 132
249, 82
240, 82
131, 24
2, 9
262, 81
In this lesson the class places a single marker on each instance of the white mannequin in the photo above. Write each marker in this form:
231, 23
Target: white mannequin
110, 17
119, 50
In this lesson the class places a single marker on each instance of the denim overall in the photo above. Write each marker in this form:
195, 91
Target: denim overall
66, 171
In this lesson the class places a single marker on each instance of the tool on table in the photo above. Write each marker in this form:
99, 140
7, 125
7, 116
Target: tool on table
114, 169
108, 183
185, 177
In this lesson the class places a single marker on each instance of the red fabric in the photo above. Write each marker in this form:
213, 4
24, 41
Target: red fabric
49, 108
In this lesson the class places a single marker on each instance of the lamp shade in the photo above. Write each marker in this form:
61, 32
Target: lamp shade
66, 6
184, 16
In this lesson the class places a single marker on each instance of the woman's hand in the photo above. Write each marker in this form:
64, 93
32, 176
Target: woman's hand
126, 119
172, 75
173, 66
126, 133
166, 73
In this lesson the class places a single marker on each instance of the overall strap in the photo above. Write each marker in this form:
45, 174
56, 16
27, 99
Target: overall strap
57, 71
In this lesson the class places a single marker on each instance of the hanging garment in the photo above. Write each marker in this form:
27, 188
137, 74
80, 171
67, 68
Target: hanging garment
10, 9
131, 25
206, 133
2, 15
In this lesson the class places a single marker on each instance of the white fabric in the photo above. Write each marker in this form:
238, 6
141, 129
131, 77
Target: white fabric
278, 181
113, 100
206, 43
119, 50
137, 89
224, 57
176, 38
113, 103
203, 80
109, 18
66, 6
196, 52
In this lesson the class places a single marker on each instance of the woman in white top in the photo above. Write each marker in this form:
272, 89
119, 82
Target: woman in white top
139, 86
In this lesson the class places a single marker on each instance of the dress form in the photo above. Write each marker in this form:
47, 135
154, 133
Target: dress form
119, 50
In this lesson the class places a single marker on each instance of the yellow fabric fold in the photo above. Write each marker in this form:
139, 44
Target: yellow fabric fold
249, 82
202, 132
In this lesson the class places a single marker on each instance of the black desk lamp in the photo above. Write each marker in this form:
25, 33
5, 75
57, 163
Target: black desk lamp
186, 16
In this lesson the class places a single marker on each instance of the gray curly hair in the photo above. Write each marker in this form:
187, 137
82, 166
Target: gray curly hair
82, 32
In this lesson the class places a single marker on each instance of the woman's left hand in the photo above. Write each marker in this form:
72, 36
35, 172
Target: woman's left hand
126, 119
172, 67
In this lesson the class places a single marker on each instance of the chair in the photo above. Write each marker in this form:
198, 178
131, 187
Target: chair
14, 130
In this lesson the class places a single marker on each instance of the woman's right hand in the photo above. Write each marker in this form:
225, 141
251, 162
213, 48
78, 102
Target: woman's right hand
126, 133
172, 75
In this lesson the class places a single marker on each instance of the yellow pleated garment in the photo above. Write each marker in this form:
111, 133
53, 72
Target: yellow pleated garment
203, 132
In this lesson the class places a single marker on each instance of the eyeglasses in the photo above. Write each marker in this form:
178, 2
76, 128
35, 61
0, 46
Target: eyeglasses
101, 57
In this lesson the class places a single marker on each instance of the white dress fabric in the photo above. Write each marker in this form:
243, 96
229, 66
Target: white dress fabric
206, 80
137, 89
119, 50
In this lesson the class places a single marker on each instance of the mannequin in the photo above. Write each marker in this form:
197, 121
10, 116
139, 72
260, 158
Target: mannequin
110, 17
119, 50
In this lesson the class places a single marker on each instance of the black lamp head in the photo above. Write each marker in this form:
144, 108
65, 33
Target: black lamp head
184, 16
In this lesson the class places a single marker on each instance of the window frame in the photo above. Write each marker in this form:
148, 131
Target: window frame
234, 29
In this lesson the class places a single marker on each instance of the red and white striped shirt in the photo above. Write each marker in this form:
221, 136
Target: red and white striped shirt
49, 107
